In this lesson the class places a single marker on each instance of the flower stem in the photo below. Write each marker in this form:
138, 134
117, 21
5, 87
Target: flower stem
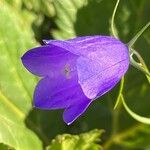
112, 20
140, 66
134, 39
120, 91
137, 117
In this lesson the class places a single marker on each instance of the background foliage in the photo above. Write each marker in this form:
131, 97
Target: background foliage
23, 25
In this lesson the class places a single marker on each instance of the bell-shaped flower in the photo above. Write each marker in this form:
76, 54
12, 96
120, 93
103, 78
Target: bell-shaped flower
75, 72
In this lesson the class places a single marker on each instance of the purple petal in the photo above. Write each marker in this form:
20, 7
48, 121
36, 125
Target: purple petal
83, 46
103, 69
73, 112
58, 93
47, 60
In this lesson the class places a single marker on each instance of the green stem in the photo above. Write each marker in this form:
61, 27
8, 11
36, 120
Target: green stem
134, 39
120, 91
137, 117
115, 113
112, 20
140, 66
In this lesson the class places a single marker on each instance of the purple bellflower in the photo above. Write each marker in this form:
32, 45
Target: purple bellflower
75, 72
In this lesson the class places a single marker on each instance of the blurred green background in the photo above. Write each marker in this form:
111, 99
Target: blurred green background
23, 25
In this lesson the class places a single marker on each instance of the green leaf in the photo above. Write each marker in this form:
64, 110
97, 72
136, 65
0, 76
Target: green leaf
66, 16
85, 141
5, 147
86, 17
16, 84
15, 3
35, 5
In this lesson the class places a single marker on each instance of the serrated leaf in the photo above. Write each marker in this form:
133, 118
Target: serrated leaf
85, 141
66, 17
35, 5
16, 85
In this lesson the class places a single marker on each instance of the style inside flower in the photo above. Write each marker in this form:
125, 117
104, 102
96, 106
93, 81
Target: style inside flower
75, 72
